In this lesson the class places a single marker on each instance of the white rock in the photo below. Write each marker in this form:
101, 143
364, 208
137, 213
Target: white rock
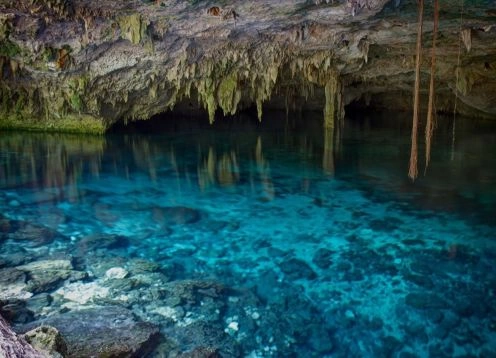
83, 293
116, 273
14, 291
47, 265
255, 315
166, 311
233, 326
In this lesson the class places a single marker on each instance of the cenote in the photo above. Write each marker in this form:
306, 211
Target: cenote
269, 178
254, 239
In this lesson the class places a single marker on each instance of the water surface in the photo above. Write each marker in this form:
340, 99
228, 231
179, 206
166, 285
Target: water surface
283, 238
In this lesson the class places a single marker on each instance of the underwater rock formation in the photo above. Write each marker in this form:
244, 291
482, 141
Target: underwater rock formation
104, 331
79, 65
14, 346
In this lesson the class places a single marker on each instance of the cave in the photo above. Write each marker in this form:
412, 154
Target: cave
272, 178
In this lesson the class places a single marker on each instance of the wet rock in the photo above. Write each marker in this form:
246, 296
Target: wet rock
440, 351
101, 241
106, 331
419, 280
83, 293
8, 226
295, 269
323, 258
10, 276
47, 340
35, 235
116, 273
16, 258
191, 292
390, 345
38, 302
266, 284
179, 215
201, 352
15, 311
13, 284
320, 340
46, 275
425, 301
203, 334
14, 346
384, 225
137, 266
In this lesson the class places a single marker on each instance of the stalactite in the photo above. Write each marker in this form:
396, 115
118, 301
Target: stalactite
328, 155
466, 35
429, 127
413, 170
332, 104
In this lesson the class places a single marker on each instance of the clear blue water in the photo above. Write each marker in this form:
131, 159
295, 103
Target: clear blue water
283, 239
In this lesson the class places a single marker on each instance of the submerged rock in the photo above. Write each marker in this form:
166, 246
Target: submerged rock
46, 275
47, 340
13, 284
35, 235
425, 301
202, 334
179, 215
83, 293
101, 241
323, 258
106, 331
297, 269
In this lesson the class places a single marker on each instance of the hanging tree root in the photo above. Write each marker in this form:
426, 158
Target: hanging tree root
429, 126
413, 170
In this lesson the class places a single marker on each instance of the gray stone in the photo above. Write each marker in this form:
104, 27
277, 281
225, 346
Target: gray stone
105, 331
38, 302
46, 275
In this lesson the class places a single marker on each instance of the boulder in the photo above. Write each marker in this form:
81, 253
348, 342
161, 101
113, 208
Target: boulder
46, 275
14, 346
47, 340
104, 331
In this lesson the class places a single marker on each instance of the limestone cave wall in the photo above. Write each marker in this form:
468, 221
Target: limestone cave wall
80, 65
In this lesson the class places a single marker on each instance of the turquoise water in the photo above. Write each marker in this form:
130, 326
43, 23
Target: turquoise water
273, 239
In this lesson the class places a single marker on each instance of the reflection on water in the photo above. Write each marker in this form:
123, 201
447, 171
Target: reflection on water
364, 154
283, 238
49, 161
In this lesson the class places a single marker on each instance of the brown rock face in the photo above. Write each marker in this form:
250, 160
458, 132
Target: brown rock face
83, 65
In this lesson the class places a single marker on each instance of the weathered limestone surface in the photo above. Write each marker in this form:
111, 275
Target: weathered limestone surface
82, 65
14, 346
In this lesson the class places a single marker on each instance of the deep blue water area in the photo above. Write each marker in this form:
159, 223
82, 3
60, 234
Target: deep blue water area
277, 238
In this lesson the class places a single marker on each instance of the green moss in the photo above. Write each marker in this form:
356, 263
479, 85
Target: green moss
9, 49
132, 27
68, 124
76, 102
228, 94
